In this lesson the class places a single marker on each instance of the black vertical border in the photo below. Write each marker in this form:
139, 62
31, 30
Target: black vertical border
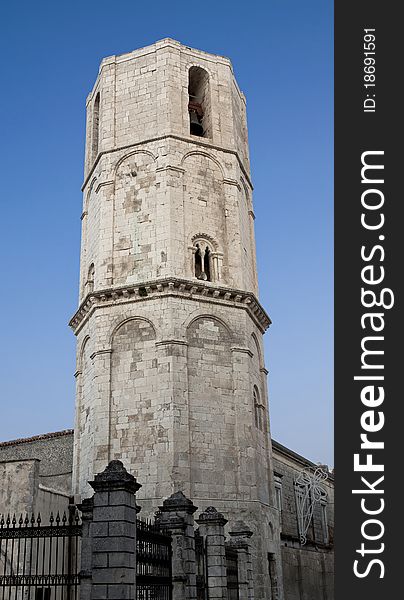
356, 132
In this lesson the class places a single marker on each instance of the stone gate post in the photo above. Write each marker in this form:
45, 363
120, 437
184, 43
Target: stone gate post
211, 526
108, 557
176, 516
239, 539
86, 508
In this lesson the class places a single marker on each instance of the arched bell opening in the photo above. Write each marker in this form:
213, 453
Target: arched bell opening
199, 105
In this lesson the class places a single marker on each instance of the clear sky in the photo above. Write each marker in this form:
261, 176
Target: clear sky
282, 56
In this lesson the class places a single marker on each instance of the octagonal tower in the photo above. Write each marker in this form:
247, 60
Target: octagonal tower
170, 369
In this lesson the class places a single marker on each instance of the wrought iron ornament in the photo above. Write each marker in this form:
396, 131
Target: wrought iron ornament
309, 491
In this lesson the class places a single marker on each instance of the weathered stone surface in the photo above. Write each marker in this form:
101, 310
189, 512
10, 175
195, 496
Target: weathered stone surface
170, 373
54, 453
176, 517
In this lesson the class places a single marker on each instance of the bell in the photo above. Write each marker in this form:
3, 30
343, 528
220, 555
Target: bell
195, 124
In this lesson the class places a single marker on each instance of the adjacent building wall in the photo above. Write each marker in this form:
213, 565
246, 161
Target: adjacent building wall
42, 462
307, 569
19, 480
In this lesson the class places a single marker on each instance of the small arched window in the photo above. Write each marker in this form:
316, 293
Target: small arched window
96, 127
199, 105
90, 279
259, 411
203, 261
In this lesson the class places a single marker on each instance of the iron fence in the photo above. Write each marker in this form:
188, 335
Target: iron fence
232, 573
202, 592
153, 560
37, 561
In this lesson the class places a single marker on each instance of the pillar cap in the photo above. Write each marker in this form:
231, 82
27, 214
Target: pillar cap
211, 515
115, 477
86, 507
178, 502
240, 530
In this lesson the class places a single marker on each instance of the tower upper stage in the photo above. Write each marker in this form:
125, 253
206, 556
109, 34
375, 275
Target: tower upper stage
145, 95
167, 191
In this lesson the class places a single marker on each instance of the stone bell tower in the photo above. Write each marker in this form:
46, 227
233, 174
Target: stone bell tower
170, 369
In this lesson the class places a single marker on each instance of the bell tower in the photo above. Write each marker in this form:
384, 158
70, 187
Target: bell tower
170, 369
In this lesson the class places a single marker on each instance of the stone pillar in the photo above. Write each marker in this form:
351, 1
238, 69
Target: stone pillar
211, 526
108, 559
239, 539
176, 516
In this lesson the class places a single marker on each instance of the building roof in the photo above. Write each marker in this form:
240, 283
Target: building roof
35, 438
281, 449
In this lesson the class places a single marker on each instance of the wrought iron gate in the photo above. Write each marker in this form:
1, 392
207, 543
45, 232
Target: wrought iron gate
232, 573
153, 562
37, 561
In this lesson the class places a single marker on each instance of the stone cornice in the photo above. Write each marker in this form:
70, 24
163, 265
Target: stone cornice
100, 352
171, 286
172, 343
242, 351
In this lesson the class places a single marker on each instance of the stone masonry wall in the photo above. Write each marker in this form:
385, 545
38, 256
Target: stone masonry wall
18, 486
144, 95
308, 569
145, 208
54, 453
164, 368
174, 379
153, 189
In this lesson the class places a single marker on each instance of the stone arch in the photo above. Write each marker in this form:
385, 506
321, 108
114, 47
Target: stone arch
207, 237
135, 217
129, 155
88, 195
258, 387
133, 395
81, 353
84, 421
246, 228
204, 67
247, 193
206, 155
91, 186
211, 404
204, 204
198, 314
123, 322
259, 409
258, 349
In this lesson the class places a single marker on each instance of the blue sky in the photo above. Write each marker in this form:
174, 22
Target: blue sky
282, 56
